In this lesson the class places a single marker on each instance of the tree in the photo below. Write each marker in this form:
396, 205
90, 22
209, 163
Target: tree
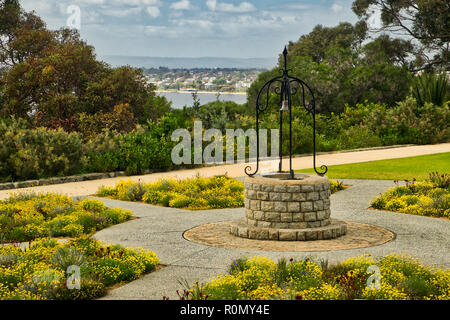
425, 23
22, 34
50, 77
341, 69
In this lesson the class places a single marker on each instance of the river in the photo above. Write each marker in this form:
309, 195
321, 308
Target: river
180, 99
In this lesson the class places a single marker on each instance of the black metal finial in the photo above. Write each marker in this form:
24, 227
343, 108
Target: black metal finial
285, 52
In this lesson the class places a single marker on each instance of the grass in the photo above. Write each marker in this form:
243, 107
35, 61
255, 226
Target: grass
393, 169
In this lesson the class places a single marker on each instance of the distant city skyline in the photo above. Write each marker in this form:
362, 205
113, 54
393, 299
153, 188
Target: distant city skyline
193, 28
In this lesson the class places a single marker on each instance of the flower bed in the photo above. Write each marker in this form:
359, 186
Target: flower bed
40, 271
402, 277
26, 217
192, 194
427, 198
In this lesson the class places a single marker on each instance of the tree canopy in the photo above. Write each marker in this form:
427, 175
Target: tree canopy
53, 76
425, 24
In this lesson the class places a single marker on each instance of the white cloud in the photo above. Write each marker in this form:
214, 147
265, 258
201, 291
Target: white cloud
215, 5
153, 12
336, 7
181, 5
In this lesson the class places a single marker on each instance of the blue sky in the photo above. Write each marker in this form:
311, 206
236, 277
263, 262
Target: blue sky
194, 28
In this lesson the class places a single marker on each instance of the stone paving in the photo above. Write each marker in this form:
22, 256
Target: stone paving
162, 230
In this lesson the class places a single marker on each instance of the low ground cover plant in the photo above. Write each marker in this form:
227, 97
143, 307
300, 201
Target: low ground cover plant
426, 198
29, 216
193, 194
258, 278
40, 272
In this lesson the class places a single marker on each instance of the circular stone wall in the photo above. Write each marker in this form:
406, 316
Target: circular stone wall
288, 210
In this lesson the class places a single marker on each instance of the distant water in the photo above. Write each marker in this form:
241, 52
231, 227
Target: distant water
180, 99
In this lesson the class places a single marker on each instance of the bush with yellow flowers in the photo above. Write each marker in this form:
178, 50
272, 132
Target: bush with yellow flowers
426, 198
401, 277
192, 194
40, 271
26, 217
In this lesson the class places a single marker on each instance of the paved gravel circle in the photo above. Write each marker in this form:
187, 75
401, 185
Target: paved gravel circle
161, 230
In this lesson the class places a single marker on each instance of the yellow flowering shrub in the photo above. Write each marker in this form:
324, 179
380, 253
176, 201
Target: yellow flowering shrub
425, 198
28, 216
40, 271
192, 194
259, 278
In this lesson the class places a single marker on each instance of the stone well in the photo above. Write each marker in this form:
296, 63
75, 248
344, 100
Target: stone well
288, 210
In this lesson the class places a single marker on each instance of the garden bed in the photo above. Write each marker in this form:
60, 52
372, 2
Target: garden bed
29, 216
426, 198
401, 278
40, 272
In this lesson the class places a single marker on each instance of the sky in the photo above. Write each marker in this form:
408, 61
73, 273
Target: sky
192, 28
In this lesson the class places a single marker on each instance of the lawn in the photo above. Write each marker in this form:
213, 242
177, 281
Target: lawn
394, 169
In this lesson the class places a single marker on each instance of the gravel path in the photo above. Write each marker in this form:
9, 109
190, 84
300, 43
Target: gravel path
161, 230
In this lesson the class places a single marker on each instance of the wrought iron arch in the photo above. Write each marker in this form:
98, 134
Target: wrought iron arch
286, 88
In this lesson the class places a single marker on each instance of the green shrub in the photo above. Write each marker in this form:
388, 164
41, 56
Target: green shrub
40, 271
402, 277
421, 198
29, 217
39, 152
195, 194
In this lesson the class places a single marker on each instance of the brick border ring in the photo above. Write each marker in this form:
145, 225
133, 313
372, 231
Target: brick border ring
359, 235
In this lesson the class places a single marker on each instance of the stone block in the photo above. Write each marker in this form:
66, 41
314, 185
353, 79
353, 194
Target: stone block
298, 216
293, 189
307, 188
266, 188
286, 196
299, 196
275, 196
258, 234
301, 235
314, 224
273, 234
306, 206
313, 196
310, 216
311, 235
318, 205
264, 224
258, 215
267, 205
272, 216
280, 206
243, 232
294, 206
279, 188
249, 214
287, 235
255, 205
251, 194
260, 195
286, 217
321, 215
